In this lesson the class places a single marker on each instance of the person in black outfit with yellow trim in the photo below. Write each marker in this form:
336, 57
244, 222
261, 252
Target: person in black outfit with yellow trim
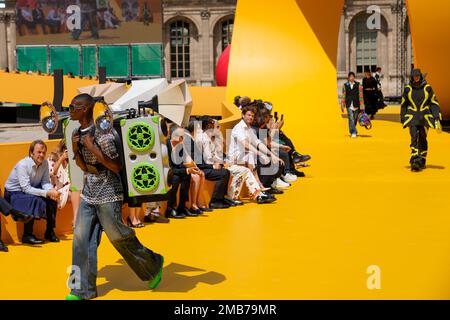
419, 111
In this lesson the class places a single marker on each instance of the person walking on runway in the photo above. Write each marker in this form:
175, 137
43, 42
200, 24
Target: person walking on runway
419, 111
352, 101
97, 154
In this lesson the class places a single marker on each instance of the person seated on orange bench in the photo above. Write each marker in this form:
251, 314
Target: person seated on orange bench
213, 171
181, 174
29, 189
6, 210
197, 180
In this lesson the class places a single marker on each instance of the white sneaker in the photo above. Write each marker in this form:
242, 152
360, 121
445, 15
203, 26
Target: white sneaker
354, 135
280, 184
289, 177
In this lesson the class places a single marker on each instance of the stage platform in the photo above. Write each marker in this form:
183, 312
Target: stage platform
358, 206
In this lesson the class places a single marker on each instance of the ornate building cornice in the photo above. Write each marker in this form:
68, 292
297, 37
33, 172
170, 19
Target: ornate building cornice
205, 14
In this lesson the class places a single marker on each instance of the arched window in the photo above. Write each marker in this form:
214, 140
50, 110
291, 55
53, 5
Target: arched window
227, 32
366, 45
180, 66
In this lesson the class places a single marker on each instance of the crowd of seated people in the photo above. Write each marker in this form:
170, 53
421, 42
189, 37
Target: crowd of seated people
258, 154
52, 16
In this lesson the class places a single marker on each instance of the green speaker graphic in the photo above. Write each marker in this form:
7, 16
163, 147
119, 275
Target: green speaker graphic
140, 137
145, 155
145, 177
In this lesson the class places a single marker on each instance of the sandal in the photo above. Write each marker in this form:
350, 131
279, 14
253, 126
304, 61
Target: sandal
138, 225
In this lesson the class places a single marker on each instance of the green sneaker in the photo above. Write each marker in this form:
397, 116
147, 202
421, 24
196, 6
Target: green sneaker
72, 297
155, 282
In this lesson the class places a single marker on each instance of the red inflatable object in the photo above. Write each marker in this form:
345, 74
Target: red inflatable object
222, 68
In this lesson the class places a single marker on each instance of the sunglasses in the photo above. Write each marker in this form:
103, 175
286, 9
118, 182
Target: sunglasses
74, 107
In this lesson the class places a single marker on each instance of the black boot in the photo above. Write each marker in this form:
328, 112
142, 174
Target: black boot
3, 247
423, 163
415, 164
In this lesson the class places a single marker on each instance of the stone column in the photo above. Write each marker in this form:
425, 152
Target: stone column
349, 52
207, 76
11, 41
3, 46
342, 45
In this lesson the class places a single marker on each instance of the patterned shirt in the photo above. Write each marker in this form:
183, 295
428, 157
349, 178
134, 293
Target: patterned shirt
361, 96
106, 186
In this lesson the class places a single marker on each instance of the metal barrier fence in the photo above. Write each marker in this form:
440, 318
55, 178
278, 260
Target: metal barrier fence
134, 60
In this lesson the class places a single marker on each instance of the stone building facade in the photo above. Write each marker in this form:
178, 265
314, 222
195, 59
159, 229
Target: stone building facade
388, 46
7, 35
365, 44
195, 32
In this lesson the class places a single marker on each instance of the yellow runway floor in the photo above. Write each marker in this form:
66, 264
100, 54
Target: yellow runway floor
359, 206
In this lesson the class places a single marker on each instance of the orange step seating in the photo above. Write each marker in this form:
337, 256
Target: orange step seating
203, 99
12, 231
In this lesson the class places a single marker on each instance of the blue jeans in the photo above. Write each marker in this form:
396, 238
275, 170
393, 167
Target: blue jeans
91, 220
352, 118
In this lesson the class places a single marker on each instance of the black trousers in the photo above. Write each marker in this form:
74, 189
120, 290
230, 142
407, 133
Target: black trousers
221, 177
370, 102
286, 141
268, 173
283, 155
181, 182
419, 143
50, 210
5, 208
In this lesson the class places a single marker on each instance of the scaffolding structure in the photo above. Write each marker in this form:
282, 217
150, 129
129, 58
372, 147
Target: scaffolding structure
401, 52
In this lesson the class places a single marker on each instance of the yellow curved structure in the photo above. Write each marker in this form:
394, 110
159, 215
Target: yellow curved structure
430, 32
285, 52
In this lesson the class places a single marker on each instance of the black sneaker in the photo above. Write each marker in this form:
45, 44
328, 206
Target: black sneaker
186, 212
172, 213
265, 198
297, 157
3, 247
219, 205
275, 191
299, 174
51, 237
32, 240
229, 202
233, 203
161, 219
